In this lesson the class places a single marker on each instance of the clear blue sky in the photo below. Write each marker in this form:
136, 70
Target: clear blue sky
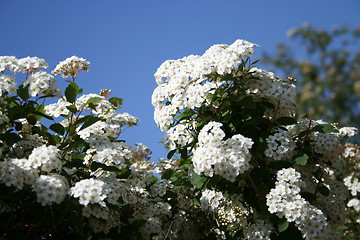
126, 41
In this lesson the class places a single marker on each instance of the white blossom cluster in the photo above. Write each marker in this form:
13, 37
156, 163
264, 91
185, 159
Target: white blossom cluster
116, 121
44, 157
7, 83
184, 83
50, 188
353, 184
210, 200
160, 187
232, 213
178, 136
260, 230
280, 145
285, 201
154, 213
227, 158
111, 125
31, 64
14, 173
229, 210
327, 144
42, 83
24, 147
8, 62
279, 92
332, 203
89, 191
24, 65
71, 67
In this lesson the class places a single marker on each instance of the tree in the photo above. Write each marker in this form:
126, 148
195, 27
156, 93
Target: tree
326, 65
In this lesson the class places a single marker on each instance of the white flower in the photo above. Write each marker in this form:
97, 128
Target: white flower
31, 64
50, 188
7, 83
89, 191
71, 67
8, 62
45, 157
42, 83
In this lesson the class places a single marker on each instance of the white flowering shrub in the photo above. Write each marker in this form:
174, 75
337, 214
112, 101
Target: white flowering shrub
65, 172
242, 164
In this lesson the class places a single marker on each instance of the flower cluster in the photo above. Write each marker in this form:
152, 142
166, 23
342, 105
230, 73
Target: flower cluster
14, 173
227, 158
89, 191
71, 67
42, 83
280, 145
279, 92
185, 83
8, 62
211, 199
353, 184
50, 188
178, 136
285, 200
259, 230
45, 157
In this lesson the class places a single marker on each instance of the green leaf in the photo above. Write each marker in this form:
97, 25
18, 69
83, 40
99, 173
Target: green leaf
248, 102
96, 165
324, 128
58, 128
40, 115
301, 159
10, 138
325, 191
283, 225
72, 108
53, 139
124, 173
117, 102
228, 77
196, 202
286, 121
183, 153
167, 174
18, 126
90, 120
23, 92
94, 100
186, 113
71, 92
198, 180
223, 114
31, 119
171, 153
308, 196
75, 163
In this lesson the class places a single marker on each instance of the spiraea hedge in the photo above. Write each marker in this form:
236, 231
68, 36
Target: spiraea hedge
241, 164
